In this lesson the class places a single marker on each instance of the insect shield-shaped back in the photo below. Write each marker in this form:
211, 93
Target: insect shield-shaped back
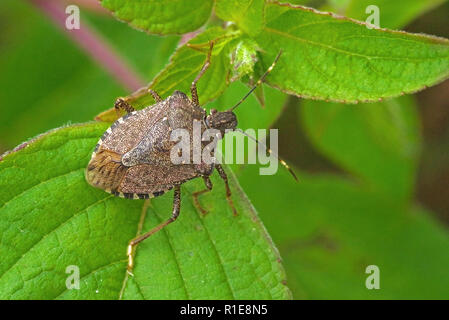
132, 158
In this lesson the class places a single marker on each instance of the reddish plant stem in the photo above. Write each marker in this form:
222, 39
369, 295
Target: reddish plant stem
94, 45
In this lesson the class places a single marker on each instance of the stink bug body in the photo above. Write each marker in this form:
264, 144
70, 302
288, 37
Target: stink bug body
132, 158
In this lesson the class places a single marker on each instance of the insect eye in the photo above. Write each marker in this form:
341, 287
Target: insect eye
213, 111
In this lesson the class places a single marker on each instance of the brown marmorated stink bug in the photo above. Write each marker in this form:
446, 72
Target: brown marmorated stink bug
132, 158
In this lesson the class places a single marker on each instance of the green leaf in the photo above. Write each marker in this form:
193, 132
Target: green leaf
329, 230
50, 218
185, 63
247, 14
393, 14
188, 60
162, 17
378, 142
351, 63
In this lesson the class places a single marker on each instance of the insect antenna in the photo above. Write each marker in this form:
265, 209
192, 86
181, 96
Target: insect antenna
259, 81
270, 152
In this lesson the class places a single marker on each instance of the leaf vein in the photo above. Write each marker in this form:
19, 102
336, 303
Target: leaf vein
228, 282
91, 273
76, 214
317, 44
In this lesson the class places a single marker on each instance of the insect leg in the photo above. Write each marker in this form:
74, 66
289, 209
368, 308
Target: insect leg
223, 175
156, 97
258, 82
195, 195
174, 216
121, 103
206, 64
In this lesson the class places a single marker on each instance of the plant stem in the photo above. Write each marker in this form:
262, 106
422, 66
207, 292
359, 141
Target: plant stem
94, 45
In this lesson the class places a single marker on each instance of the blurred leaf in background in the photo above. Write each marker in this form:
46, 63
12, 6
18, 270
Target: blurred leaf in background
379, 142
329, 229
394, 14
47, 80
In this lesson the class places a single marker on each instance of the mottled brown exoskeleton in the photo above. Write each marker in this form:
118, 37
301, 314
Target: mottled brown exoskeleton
132, 158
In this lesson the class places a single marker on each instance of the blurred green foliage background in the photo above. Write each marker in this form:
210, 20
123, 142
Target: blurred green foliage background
374, 178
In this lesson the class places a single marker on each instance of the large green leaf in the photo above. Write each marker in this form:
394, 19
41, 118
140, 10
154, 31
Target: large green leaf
329, 230
51, 218
351, 63
379, 142
247, 14
162, 17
